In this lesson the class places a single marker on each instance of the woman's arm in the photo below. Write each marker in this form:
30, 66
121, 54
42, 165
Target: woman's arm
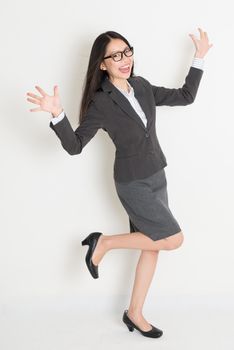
187, 93
182, 96
74, 141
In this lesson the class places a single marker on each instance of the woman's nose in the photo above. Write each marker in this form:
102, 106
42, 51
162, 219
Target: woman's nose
126, 60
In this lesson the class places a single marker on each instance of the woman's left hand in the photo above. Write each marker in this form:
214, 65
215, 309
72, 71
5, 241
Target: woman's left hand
202, 45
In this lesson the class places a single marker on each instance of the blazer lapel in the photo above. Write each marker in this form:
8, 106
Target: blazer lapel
123, 102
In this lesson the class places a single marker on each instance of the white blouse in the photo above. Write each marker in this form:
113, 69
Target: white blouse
134, 102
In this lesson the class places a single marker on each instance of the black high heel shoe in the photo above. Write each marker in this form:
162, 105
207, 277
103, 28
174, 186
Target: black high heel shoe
152, 333
91, 240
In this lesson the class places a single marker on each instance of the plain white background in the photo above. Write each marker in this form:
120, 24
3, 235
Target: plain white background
50, 200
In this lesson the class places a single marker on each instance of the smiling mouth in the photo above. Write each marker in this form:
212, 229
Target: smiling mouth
125, 69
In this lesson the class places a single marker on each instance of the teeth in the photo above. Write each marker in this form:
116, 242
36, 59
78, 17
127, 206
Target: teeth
125, 66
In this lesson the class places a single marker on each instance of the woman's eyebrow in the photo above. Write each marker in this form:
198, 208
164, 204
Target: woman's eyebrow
126, 47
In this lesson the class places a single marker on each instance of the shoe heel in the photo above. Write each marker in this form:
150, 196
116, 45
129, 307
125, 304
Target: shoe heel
130, 328
85, 242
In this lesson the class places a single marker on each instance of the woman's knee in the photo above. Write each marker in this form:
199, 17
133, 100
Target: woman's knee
175, 241
149, 252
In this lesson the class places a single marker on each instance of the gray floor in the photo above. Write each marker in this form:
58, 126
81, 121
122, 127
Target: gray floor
57, 323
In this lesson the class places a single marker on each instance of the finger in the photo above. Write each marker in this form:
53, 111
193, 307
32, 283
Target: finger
193, 38
40, 90
56, 92
201, 32
35, 109
33, 95
33, 101
206, 36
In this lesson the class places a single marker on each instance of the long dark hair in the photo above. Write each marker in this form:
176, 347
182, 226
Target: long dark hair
95, 75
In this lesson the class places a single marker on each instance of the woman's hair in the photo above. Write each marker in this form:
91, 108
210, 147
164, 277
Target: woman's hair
95, 75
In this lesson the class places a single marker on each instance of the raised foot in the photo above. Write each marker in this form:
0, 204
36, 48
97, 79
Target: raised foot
98, 251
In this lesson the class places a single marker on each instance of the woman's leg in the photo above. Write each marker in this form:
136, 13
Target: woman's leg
145, 267
144, 274
134, 240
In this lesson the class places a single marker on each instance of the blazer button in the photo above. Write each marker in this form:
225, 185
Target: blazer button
146, 134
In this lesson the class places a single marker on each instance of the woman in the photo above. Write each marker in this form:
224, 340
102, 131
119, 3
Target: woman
123, 105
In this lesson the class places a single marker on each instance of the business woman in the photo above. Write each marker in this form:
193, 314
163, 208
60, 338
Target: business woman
123, 105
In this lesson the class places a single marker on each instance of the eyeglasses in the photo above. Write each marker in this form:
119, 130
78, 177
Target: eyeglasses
117, 56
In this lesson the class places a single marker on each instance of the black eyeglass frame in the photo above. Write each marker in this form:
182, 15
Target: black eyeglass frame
121, 52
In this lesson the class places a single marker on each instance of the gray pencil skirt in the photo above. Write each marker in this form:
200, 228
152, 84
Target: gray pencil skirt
146, 203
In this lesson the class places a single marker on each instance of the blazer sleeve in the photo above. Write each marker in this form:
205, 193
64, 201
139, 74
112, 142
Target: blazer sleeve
74, 141
182, 96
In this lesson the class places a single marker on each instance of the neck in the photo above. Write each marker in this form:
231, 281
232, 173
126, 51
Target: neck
121, 84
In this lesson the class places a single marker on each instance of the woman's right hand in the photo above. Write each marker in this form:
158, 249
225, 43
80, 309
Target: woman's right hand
47, 103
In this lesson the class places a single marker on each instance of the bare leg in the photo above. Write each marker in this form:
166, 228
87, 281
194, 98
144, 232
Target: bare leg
134, 240
145, 267
144, 274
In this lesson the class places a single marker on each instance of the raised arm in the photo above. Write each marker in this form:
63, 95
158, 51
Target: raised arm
181, 96
72, 141
186, 94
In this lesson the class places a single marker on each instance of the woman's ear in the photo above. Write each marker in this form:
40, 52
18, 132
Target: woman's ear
102, 67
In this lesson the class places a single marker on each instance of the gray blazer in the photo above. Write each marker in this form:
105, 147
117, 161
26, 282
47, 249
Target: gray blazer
138, 153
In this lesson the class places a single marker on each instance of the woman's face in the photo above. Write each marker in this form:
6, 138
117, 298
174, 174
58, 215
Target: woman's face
117, 70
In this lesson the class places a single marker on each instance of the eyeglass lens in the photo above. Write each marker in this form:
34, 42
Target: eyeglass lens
119, 55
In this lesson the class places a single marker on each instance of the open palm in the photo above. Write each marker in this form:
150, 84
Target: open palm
46, 102
202, 45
